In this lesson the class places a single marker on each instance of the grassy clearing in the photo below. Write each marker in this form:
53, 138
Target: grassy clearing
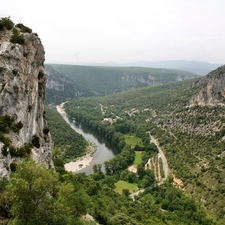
138, 157
132, 140
120, 185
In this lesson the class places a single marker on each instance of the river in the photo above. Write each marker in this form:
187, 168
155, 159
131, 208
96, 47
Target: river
105, 149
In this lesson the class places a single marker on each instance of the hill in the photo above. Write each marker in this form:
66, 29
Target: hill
60, 88
191, 134
109, 80
200, 68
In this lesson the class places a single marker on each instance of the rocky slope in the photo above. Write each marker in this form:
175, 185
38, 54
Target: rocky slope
22, 95
212, 92
203, 113
60, 88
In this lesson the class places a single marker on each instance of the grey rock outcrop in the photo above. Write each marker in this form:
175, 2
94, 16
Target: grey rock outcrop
212, 91
60, 88
22, 95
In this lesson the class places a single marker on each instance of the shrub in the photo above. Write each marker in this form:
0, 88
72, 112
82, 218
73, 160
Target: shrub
12, 151
58, 162
28, 148
6, 23
45, 130
17, 127
36, 141
13, 167
23, 28
20, 152
5, 140
5, 123
17, 37
4, 150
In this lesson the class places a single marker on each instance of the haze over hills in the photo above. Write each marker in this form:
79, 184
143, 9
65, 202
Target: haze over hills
69, 81
197, 67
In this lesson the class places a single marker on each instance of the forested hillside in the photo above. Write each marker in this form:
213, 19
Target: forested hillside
109, 80
191, 137
68, 142
60, 88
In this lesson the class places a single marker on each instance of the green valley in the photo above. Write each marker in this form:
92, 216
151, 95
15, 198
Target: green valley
164, 129
191, 137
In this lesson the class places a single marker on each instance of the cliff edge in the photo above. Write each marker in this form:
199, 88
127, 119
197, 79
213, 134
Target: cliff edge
212, 91
22, 95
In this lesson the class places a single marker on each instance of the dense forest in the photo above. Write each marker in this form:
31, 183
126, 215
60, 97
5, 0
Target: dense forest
68, 143
190, 137
36, 195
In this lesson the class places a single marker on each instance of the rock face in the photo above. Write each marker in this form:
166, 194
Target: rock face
22, 95
60, 88
212, 92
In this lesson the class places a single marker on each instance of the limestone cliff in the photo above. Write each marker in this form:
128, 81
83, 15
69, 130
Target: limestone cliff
22, 95
212, 91
60, 88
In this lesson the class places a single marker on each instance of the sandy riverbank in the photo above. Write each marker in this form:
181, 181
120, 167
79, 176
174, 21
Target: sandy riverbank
82, 161
60, 108
79, 164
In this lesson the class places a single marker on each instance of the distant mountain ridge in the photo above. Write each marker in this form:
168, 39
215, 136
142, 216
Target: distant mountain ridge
197, 67
108, 80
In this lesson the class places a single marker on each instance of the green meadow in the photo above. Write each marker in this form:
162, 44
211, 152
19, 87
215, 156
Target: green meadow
120, 185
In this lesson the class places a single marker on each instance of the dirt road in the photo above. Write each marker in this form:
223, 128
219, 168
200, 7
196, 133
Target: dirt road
163, 157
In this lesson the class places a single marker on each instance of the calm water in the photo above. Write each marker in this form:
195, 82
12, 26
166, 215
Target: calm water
105, 149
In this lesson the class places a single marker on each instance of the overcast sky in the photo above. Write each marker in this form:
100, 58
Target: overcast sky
74, 31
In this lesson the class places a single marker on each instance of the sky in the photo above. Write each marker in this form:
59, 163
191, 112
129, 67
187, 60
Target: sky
75, 31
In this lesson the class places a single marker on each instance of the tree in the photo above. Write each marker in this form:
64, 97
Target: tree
38, 197
140, 171
109, 181
126, 192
